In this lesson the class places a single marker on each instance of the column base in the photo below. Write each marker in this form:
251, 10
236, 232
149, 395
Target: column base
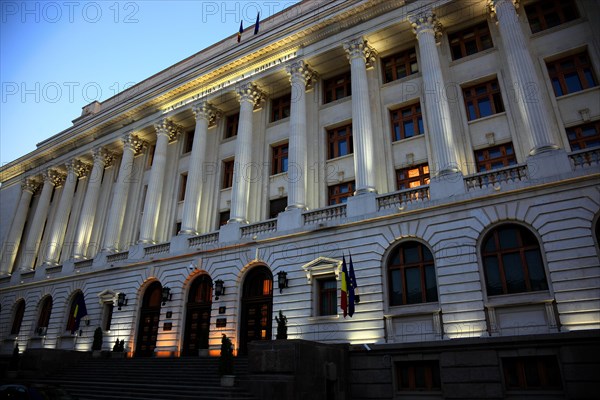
301, 207
187, 231
362, 204
551, 162
367, 190
446, 185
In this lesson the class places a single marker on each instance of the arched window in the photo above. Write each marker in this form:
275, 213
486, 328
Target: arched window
44, 318
18, 317
512, 262
77, 311
411, 275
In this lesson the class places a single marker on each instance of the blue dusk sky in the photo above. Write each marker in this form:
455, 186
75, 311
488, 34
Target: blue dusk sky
58, 56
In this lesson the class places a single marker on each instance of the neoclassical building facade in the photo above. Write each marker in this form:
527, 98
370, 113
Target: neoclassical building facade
449, 149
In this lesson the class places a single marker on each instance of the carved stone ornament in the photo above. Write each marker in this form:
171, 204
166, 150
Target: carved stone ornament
359, 48
299, 71
80, 168
426, 22
207, 111
131, 141
30, 185
251, 93
55, 177
104, 156
169, 128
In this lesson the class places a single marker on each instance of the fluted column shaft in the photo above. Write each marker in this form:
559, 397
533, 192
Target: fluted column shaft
32, 245
112, 237
59, 226
88, 212
359, 53
437, 110
525, 81
13, 240
164, 131
249, 96
190, 219
300, 76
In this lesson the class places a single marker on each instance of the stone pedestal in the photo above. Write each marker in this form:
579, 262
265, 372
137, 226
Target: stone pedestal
230, 232
290, 219
446, 185
361, 205
548, 163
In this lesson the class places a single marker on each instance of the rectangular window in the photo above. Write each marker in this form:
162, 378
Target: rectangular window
224, 217
277, 206
337, 87
228, 174
399, 65
280, 107
419, 376
495, 157
412, 177
531, 373
182, 186
470, 41
571, 74
231, 125
483, 99
188, 141
327, 291
339, 194
407, 122
546, 14
279, 161
584, 136
339, 141
177, 228
107, 316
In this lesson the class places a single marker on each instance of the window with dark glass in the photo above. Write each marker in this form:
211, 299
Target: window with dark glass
224, 217
483, 99
327, 292
337, 87
339, 141
512, 262
411, 275
227, 174
280, 107
279, 161
571, 74
495, 157
531, 373
150, 160
399, 65
277, 206
421, 375
407, 122
584, 136
231, 125
339, 194
188, 141
44, 317
18, 317
546, 14
107, 316
411, 177
182, 186
470, 41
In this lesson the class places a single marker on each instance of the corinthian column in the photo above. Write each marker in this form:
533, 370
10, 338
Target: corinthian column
301, 77
75, 169
525, 80
132, 145
13, 240
205, 115
437, 111
102, 159
360, 55
32, 245
250, 97
166, 131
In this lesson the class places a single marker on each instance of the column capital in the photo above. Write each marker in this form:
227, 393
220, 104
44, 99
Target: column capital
251, 93
131, 141
54, 177
80, 168
169, 128
492, 4
301, 72
30, 185
358, 47
103, 156
426, 22
207, 111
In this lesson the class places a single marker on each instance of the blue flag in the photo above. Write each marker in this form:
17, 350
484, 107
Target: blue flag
256, 25
79, 312
239, 35
351, 288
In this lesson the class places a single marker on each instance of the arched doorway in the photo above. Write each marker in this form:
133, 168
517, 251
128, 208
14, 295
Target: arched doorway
148, 325
257, 307
197, 320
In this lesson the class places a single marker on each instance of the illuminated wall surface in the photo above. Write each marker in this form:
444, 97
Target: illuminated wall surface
450, 149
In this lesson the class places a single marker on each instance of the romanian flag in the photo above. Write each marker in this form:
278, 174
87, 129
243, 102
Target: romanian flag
352, 295
344, 300
79, 312
239, 37
256, 24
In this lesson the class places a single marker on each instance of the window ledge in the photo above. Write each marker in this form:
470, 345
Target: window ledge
556, 28
569, 95
405, 140
229, 139
275, 176
516, 299
278, 122
402, 80
470, 57
413, 309
323, 318
336, 102
489, 117
340, 157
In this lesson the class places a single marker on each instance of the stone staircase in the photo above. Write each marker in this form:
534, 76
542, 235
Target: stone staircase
149, 378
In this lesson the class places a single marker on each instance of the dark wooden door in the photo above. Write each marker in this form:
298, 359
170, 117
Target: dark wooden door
197, 322
257, 307
149, 319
